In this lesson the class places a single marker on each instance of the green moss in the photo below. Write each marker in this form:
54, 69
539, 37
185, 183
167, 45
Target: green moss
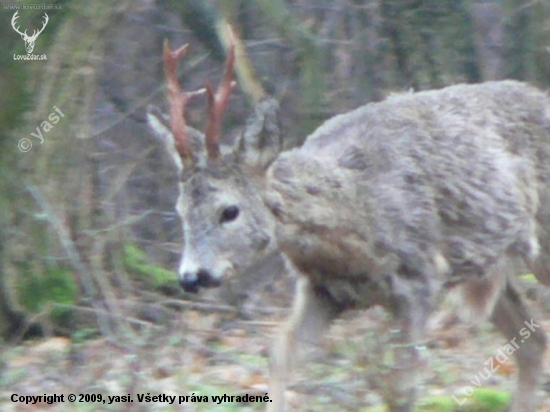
490, 400
84, 334
482, 400
36, 292
529, 278
135, 260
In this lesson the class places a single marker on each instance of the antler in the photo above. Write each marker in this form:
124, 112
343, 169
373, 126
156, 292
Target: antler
217, 102
13, 19
35, 33
43, 26
177, 101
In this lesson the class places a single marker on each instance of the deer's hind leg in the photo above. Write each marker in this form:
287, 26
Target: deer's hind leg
515, 322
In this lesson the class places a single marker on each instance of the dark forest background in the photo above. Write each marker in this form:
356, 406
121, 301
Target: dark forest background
87, 216
89, 238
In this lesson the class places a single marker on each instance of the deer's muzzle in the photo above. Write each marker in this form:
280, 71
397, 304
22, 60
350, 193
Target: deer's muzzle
191, 282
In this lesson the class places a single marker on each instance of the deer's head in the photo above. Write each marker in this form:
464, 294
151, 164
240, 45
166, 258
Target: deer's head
227, 228
29, 40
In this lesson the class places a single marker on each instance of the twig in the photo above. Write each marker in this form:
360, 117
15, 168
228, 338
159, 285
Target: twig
202, 307
95, 311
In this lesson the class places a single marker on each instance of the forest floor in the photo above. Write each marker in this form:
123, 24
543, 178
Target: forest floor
213, 354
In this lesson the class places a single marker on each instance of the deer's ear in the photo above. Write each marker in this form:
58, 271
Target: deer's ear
158, 123
261, 141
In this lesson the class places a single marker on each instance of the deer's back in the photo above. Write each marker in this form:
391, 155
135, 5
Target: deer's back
459, 173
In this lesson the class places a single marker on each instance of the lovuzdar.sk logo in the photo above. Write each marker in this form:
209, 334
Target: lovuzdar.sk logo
29, 40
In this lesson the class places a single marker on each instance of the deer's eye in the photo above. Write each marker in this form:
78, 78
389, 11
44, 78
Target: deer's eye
229, 214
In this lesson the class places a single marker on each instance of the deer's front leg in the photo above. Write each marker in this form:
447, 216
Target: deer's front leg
312, 312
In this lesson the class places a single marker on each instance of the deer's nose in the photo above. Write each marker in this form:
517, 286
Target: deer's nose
191, 282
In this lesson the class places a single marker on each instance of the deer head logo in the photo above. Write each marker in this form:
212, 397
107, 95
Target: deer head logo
29, 40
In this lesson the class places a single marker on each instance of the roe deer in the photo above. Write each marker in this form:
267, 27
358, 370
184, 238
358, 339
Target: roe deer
390, 204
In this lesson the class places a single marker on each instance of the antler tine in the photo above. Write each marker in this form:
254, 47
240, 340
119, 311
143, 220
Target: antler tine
177, 101
46, 20
217, 102
14, 22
